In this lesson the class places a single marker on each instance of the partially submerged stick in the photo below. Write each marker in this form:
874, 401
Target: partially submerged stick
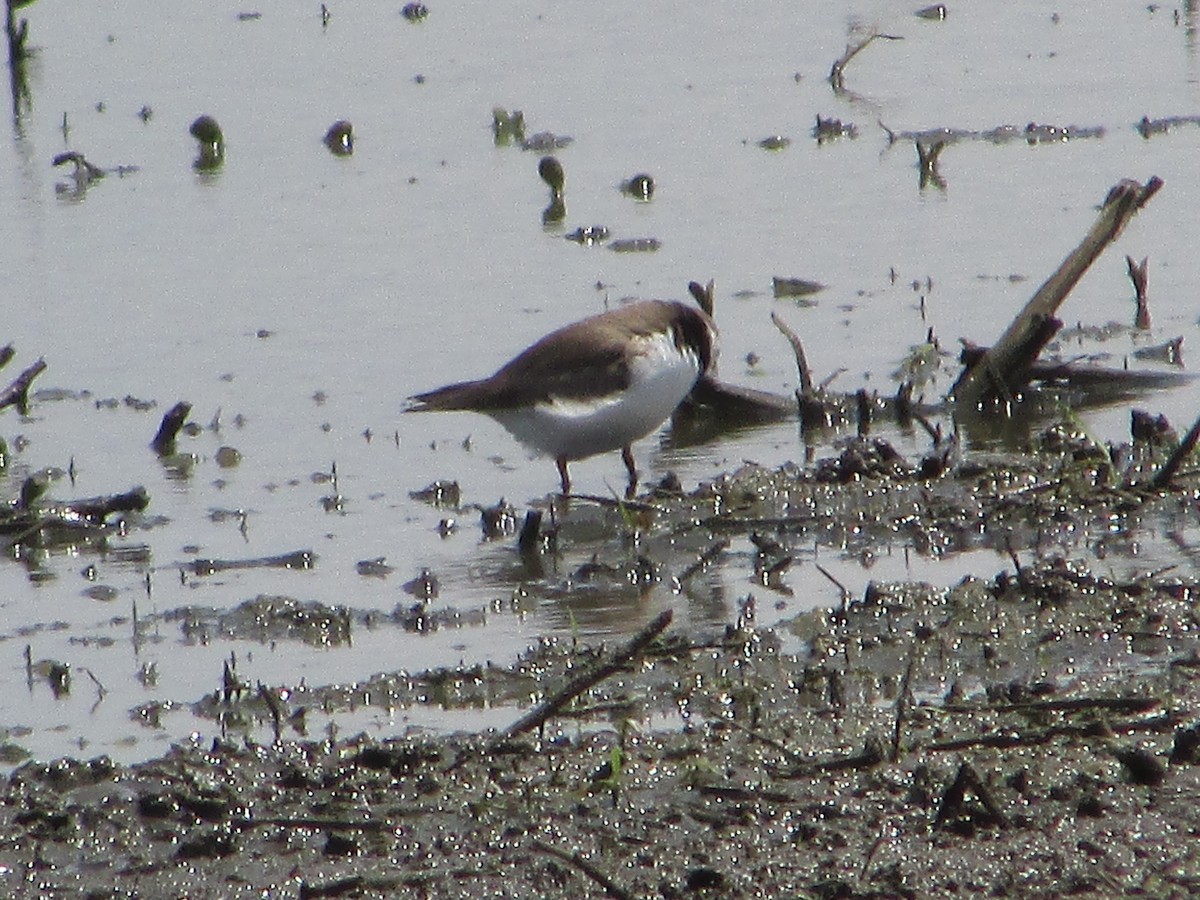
1003, 371
164, 441
813, 412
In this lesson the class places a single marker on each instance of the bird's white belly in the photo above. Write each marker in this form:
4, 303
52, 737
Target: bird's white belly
660, 377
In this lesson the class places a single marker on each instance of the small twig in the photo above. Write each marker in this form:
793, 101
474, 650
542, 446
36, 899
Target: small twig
838, 71
1008, 739
96, 509
1139, 274
587, 680
616, 503
870, 756
314, 822
714, 550
862, 401
577, 861
806, 382
841, 587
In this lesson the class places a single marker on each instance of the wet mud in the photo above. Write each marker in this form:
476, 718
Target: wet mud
1026, 732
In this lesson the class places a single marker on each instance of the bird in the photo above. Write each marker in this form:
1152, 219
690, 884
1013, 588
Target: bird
595, 385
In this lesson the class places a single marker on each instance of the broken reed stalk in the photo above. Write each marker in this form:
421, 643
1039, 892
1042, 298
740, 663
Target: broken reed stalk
813, 412
589, 679
703, 294
164, 441
18, 392
1164, 476
1002, 371
806, 381
1139, 274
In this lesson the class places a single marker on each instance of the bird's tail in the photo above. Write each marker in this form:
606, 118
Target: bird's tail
464, 395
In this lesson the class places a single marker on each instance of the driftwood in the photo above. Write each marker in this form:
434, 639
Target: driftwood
31, 521
1003, 371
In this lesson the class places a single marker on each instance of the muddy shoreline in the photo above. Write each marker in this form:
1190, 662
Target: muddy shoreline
1028, 732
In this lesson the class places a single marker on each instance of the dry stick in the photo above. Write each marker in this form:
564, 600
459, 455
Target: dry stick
576, 686
714, 550
576, 859
1162, 479
18, 391
1004, 368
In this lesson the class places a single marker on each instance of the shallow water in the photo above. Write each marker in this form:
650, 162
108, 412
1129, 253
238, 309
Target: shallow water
309, 295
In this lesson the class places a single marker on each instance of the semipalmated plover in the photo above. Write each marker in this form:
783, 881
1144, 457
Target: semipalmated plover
593, 386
